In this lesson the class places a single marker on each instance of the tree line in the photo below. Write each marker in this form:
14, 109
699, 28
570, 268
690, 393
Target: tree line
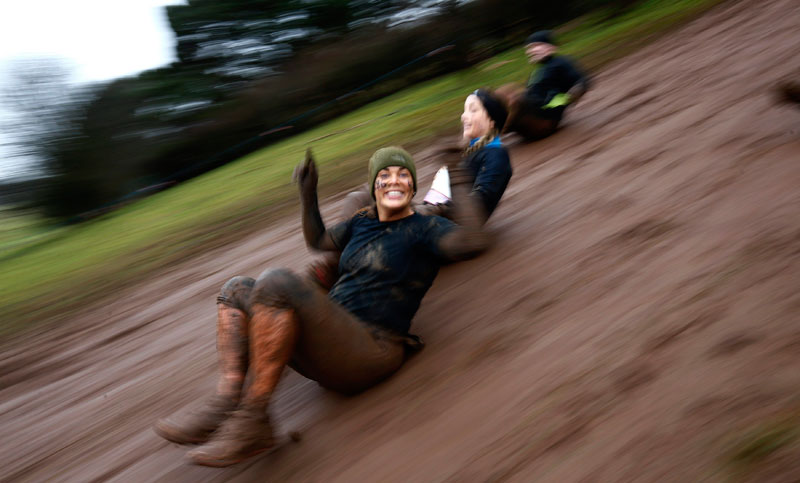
244, 67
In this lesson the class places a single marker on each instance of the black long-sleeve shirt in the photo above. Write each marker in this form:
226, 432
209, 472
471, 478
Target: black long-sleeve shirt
556, 75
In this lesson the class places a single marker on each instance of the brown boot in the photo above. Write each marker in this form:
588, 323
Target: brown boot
195, 426
245, 434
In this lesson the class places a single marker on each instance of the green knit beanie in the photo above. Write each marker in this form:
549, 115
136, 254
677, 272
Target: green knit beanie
391, 156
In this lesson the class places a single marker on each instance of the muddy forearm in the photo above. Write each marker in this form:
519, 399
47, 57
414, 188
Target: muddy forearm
469, 239
313, 227
577, 91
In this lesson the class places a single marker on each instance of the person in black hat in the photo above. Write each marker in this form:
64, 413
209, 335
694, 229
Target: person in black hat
536, 110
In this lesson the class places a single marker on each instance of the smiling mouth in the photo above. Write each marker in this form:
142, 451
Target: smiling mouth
395, 194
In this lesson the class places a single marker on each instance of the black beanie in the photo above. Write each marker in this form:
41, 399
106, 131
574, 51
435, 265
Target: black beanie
497, 112
545, 36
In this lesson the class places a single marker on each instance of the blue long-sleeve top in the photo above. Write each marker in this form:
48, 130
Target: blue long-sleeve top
491, 167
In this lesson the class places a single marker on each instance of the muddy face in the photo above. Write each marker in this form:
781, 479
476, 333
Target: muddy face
538, 51
394, 188
475, 119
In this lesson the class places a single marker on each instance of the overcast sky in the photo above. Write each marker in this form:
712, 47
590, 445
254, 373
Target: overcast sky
104, 39
100, 39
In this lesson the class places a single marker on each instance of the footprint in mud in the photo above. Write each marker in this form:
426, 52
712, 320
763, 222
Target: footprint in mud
733, 344
779, 242
791, 344
646, 230
632, 375
498, 344
630, 95
607, 206
731, 406
633, 163
637, 106
639, 90
627, 242
665, 338
530, 306
671, 334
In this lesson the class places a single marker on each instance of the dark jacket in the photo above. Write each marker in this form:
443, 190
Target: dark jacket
491, 167
556, 75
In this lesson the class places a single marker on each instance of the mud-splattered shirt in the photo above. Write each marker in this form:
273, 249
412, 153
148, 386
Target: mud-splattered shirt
387, 267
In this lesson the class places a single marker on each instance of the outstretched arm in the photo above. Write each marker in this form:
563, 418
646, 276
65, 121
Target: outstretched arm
492, 178
317, 237
468, 239
581, 85
578, 90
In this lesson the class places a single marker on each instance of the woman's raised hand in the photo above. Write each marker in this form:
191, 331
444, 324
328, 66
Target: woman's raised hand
305, 174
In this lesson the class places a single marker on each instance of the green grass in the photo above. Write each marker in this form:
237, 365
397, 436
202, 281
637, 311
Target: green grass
18, 229
47, 272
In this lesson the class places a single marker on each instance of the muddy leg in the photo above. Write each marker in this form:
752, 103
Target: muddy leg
196, 426
445, 210
524, 119
293, 321
232, 328
333, 347
273, 333
511, 95
533, 128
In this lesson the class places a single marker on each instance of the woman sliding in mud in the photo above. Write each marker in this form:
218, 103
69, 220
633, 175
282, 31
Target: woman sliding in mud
348, 339
484, 158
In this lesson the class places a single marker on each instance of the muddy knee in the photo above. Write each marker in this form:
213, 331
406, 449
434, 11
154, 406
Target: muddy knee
533, 128
510, 93
280, 288
236, 292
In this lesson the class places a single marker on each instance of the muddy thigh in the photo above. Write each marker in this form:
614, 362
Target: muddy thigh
334, 347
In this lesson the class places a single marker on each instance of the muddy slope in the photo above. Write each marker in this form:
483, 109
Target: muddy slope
638, 318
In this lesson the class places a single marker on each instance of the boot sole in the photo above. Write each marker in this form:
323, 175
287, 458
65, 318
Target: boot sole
178, 438
222, 463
